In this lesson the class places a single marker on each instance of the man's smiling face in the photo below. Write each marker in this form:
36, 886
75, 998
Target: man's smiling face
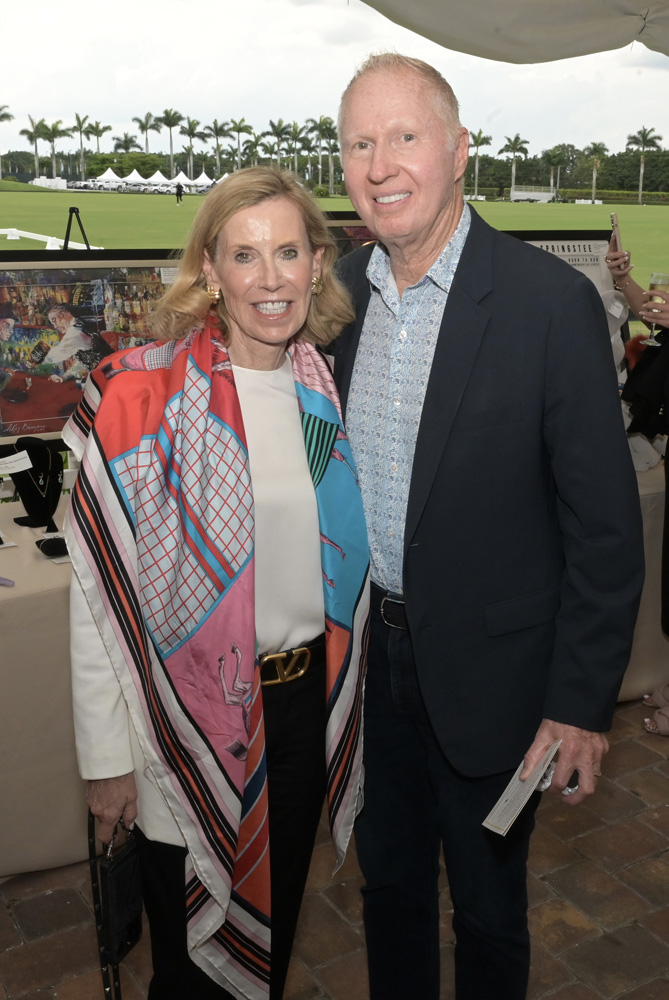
402, 163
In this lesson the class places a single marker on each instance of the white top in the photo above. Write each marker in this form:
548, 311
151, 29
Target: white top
288, 578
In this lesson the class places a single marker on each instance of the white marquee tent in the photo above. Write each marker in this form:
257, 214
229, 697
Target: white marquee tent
158, 178
108, 175
134, 178
181, 178
203, 180
527, 31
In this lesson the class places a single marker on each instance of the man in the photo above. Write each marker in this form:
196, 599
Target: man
504, 523
78, 350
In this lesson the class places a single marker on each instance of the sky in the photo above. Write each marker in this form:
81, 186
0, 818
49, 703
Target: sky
259, 59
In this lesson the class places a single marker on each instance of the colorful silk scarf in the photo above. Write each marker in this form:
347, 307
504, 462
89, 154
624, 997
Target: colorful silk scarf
160, 530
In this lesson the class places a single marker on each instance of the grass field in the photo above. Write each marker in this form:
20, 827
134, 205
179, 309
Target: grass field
123, 221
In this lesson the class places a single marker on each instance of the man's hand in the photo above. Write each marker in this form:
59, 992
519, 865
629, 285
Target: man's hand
112, 799
580, 751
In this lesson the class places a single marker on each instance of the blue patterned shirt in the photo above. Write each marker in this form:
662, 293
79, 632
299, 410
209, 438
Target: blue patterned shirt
387, 391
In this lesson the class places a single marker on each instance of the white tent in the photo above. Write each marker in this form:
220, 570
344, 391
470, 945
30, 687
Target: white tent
108, 175
203, 180
134, 178
182, 179
527, 31
158, 178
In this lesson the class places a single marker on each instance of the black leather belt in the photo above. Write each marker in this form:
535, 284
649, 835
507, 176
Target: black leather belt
289, 664
391, 607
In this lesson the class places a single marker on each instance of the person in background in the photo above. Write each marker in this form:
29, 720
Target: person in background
481, 402
619, 263
217, 516
179, 191
647, 393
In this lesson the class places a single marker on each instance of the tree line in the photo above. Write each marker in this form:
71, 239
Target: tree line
312, 151
566, 166
283, 143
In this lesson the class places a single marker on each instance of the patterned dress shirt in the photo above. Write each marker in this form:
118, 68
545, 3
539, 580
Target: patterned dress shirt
387, 392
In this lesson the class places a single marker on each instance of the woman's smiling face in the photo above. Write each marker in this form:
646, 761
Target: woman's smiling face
264, 267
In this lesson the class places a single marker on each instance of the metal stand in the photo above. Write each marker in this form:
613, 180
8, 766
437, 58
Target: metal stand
75, 211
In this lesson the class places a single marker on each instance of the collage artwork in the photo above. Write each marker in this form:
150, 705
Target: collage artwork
56, 325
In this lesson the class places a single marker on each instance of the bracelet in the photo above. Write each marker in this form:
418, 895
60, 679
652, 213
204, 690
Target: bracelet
620, 288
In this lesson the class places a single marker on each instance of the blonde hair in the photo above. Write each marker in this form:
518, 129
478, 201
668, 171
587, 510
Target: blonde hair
186, 303
446, 103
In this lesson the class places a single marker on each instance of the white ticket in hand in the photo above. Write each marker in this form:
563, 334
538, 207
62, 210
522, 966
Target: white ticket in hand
502, 815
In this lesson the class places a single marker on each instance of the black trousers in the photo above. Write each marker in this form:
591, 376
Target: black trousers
295, 740
415, 804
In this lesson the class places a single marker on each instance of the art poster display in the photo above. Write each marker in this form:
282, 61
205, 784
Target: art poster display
58, 319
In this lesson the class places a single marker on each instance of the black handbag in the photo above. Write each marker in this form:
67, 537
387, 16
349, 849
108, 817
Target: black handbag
117, 899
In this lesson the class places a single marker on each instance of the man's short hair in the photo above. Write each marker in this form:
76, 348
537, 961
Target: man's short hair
446, 103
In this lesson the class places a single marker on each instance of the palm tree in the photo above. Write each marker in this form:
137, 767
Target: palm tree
280, 131
270, 149
5, 116
81, 126
126, 143
52, 133
295, 133
643, 140
170, 119
217, 131
515, 147
332, 147
148, 124
320, 127
251, 149
240, 128
596, 152
192, 131
97, 130
32, 134
308, 147
554, 159
476, 140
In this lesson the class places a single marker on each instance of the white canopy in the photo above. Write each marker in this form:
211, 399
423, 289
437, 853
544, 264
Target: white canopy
134, 177
182, 179
108, 175
203, 179
158, 178
527, 31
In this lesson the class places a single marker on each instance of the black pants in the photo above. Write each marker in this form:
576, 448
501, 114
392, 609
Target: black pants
295, 740
415, 804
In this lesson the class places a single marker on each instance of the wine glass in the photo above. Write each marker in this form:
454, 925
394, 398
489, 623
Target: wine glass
658, 282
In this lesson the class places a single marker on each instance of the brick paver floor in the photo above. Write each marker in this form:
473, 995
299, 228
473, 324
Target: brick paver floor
599, 904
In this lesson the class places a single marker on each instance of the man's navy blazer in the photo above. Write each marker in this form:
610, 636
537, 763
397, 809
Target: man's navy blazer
523, 553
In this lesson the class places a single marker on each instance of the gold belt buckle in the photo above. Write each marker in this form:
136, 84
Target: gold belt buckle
298, 664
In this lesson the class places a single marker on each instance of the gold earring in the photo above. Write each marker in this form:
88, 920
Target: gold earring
316, 285
214, 294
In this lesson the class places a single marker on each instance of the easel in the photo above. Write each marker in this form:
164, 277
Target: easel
74, 211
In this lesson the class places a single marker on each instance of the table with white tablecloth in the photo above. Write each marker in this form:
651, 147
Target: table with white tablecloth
43, 807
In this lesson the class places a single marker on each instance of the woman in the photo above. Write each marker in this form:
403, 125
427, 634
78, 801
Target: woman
620, 265
216, 517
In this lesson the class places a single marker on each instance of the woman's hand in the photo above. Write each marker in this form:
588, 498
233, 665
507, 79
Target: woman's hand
655, 312
618, 262
112, 799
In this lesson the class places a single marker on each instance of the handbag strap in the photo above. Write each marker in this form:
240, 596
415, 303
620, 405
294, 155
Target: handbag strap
111, 983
